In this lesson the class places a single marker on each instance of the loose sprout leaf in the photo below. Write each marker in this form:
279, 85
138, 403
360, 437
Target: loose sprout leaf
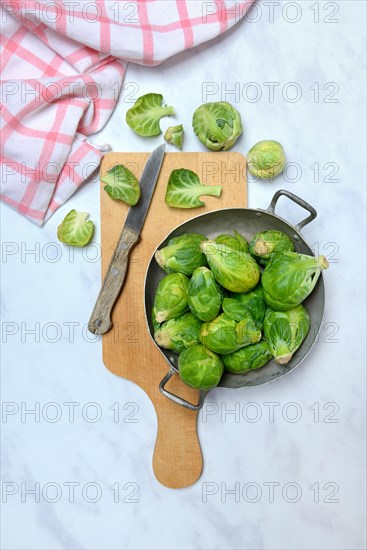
174, 135
217, 125
122, 185
144, 116
184, 189
75, 230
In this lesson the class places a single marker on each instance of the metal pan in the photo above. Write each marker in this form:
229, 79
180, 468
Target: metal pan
248, 222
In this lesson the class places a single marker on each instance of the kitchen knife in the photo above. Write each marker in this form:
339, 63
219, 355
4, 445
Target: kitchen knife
100, 320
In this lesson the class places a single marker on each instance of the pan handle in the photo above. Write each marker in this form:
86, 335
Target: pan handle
177, 399
298, 201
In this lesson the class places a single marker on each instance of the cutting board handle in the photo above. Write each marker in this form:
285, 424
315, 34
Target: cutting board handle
177, 459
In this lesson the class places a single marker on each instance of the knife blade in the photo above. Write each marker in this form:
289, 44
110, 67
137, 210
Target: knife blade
100, 321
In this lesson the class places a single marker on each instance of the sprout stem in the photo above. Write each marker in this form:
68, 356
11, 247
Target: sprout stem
282, 354
283, 359
167, 111
323, 263
214, 190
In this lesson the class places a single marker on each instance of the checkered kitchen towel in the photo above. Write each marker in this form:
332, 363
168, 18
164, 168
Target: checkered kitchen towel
62, 67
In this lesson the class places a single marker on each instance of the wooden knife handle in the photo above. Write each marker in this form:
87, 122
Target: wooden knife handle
100, 321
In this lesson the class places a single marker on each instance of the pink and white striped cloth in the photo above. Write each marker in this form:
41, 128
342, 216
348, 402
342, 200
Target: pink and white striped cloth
62, 67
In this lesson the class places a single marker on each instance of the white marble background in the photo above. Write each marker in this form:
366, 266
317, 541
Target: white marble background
323, 449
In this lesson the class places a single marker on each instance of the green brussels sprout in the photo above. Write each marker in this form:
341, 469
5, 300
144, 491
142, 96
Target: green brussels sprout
234, 309
235, 270
121, 184
178, 334
217, 125
182, 254
155, 323
238, 306
205, 295
237, 242
241, 239
253, 302
171, 299
144, 116
266, 159
289, 278
199, 368
224, 335
174, 135
184, 189
285, 332
250, 358
266, 244
75, 230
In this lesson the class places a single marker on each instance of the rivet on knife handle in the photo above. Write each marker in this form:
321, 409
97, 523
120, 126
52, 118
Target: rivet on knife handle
100, 321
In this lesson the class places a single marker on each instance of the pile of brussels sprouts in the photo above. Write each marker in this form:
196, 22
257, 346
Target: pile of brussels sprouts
218, 311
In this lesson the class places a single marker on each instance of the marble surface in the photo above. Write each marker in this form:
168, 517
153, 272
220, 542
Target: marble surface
286, 469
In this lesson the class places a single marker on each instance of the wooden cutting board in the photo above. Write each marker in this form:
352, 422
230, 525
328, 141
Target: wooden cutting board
128, 350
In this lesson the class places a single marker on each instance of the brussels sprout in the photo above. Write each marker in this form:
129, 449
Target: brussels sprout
240, 305
184, 189
290, 278
250, 358
75, 230
178, 334
199, 368
205, 295
266, 159
266, 244
217, 125
144, 116
285, 332
237, 242
174, 135
224, 335
235, 270
182, 254
171, 299
241, 239
253, 302
155, 323
121, 184
234, 309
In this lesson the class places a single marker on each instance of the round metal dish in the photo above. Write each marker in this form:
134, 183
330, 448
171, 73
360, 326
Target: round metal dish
247, 222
